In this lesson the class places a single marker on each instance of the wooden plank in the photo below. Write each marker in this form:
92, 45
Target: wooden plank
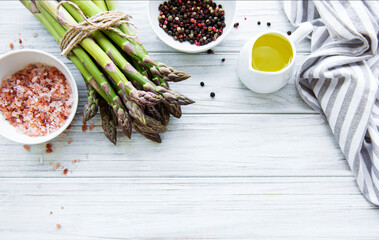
233, 208
196, 145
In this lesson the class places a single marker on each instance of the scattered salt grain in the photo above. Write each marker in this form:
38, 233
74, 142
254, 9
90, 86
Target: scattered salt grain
84, 126
49, 148
63, 136
57, 165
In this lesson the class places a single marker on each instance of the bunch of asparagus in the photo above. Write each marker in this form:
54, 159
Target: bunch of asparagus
124, 83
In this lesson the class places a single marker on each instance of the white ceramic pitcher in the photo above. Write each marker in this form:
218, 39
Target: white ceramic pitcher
268, 82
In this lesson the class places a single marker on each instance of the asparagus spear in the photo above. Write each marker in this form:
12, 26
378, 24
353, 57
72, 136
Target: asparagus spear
154, 113
90, 109
172, 109
152, 136
110, 95
122, 116
98, 81
102, 58
101, 4
126, 67
112, 5
107, 121
164, 113
132, 48
150, 125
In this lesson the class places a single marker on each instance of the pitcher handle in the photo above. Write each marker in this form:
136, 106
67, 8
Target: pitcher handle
301, 32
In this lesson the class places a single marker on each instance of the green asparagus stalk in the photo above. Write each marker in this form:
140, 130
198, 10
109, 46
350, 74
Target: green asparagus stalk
126, 67
107, 121
28, 4
113, 6
122, 116
101, 4
150, 125
152, 136
131, 106
153, 112
90, 109
112, 98
45, 11
172, 109
102, 58
132, 48
164, 113
98, 82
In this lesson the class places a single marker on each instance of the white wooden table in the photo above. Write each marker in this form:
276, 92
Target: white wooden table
241, 165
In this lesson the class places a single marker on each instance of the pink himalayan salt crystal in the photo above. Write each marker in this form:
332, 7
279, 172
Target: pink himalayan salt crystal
37, 100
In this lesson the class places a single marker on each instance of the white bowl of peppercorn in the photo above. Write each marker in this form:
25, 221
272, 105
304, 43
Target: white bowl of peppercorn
192, 26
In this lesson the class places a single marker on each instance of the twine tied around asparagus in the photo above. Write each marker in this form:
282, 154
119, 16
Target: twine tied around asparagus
102, 21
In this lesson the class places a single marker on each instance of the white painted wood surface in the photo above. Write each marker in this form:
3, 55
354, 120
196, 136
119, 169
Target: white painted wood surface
239, 166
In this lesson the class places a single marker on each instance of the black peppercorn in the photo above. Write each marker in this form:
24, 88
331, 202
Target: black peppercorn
268, 24
202, 84
223, 60
213, 94
189, 20
259, 22
289, 33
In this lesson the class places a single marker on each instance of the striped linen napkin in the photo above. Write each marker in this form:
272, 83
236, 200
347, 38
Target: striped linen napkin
340, 79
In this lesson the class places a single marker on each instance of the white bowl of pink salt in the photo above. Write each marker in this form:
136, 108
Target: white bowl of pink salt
38, 96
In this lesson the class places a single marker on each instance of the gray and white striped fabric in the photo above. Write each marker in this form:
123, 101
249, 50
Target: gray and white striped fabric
340, 79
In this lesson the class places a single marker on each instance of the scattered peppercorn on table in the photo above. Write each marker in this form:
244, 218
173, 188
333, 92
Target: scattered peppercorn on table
237, 165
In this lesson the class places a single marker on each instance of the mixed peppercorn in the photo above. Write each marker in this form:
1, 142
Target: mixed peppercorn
198, 22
